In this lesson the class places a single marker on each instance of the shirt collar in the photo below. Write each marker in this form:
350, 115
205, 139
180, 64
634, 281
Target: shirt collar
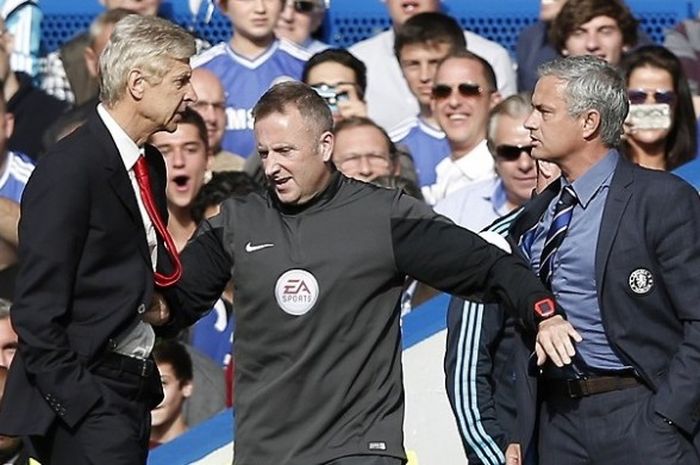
127, 148
594, 179
498, 198
477, 163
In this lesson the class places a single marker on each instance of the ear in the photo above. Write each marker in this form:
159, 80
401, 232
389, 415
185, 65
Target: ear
496, 98
91, 61
590, 123
9, 124
136, 84
325, 145
187, 389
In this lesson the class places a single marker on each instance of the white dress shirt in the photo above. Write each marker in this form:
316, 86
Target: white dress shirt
138, 340
454, 174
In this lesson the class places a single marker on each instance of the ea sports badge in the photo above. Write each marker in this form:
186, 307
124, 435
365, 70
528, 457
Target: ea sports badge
296, 292
641, 281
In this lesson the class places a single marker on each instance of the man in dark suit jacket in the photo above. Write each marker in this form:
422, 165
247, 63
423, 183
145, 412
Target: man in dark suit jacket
626, 276
82, 383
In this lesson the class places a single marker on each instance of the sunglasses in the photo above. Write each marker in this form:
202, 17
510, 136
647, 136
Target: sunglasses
512, 152
637, 96
443, 91
303, 6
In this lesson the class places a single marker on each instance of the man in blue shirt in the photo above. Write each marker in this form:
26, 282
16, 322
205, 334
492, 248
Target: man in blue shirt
249, 64
618, 246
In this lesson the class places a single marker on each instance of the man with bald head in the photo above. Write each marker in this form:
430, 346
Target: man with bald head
211, 106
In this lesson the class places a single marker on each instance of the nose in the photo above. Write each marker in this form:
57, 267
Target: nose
287, 14
592, 42
270, 166
425, 72
176, 158
5, 359
453, 100
207, 112
260, 6
365, 167
190, 94
526, 163
529, 123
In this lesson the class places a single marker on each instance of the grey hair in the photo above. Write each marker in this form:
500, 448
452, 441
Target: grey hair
515, 106
5, 308
592, 84
143, 42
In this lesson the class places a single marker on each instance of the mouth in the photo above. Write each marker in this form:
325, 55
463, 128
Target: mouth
409, 7
280, 183
182, 183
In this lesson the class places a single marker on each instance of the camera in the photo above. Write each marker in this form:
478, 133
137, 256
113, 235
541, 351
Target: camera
331, 95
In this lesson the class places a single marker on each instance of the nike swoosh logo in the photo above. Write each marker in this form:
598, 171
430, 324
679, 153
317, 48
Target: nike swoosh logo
254, 248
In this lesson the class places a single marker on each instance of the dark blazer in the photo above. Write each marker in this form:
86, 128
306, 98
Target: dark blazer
84, 270
651, 222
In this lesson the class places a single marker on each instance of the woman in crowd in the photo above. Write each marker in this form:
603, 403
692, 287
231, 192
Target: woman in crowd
660, 132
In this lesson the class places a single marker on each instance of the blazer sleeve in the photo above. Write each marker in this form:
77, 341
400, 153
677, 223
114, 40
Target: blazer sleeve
52, 230
677, 250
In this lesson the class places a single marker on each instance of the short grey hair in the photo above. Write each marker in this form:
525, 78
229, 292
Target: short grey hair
5, 308
592, 84
143, 42
515, 106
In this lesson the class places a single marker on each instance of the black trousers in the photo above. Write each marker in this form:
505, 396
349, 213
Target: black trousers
114, 432
366, 460
614, 428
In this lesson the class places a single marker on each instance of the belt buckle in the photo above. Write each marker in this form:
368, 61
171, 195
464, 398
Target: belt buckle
577, 388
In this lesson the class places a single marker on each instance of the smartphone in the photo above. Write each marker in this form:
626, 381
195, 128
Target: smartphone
649, 116
331, 95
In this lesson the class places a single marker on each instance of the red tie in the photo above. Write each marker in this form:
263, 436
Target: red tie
141, 171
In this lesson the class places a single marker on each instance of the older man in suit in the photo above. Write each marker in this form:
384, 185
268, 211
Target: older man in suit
618, 245
82, 383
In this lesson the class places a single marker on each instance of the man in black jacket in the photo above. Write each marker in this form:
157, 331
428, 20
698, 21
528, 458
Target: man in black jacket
319, 262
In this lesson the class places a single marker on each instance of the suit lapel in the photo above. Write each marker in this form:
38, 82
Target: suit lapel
615, 205
118, 177
534, 209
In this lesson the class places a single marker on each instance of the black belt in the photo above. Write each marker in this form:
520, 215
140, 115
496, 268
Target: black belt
137, 366
588, 386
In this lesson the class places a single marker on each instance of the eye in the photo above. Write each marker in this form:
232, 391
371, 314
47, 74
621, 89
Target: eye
262, 154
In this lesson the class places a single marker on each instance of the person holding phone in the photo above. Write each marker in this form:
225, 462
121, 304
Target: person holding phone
341, 79
660, 132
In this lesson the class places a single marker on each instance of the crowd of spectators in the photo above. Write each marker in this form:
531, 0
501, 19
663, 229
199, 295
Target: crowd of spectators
425, 106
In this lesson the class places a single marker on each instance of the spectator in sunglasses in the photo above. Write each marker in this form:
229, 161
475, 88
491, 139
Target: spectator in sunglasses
464, 93
389, 97
660, 131
477, 205
299, 20
421, 43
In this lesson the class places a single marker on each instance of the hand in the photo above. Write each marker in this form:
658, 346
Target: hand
513, 455
158, 313
554, 341
353, 106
